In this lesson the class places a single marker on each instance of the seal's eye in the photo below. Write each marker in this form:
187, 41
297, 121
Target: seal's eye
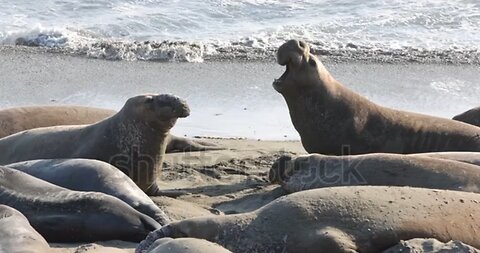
149, 100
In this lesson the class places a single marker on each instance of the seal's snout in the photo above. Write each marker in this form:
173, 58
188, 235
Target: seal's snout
179, 106
278, 172
292, 52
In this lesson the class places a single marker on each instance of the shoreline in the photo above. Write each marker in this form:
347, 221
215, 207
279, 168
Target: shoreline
227, 98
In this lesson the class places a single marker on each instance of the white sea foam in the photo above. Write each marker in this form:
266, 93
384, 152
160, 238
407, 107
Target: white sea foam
194, 30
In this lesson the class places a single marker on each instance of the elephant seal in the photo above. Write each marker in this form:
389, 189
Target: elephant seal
466, 157
133, 140
92, 175
471, 117
184, 245
62, 215
333, 120
339, 219
16, 234
319, 171
421, 245
18, 119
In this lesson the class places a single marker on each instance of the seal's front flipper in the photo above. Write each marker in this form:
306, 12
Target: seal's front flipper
334, 240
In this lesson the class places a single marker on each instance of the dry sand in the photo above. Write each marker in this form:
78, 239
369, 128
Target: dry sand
234, 180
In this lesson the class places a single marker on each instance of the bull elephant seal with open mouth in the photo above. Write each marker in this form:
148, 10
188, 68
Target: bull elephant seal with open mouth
133, 140
17, 235
333, 120
319, 171
62, 215
339, 220
18, 119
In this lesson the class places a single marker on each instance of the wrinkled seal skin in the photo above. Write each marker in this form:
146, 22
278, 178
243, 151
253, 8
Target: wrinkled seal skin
319, 171
92, 175
333, 120
16, 234
471, 117
340, 219
133, 140
466, 157
62, 215
184, 245
18, 119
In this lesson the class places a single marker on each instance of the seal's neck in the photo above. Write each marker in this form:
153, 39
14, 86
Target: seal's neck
326, 112
139, 148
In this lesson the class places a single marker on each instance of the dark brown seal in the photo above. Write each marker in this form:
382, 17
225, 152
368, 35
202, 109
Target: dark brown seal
332, 119
133, 140
62, 215
471, 117
18, 119
339, 220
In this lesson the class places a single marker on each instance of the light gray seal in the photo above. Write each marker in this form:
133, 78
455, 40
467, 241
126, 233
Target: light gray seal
184, 245
339, 220
16, 234
318, 171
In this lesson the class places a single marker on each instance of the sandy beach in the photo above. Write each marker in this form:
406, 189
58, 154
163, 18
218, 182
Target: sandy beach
232, 100
234, 180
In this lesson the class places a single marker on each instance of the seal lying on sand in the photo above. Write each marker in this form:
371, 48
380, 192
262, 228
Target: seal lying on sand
319, 171
471, 117
333, 120
133, 140
185, 245
16, 234
466, 157
339, 219
18, 119
92, 175
62, 215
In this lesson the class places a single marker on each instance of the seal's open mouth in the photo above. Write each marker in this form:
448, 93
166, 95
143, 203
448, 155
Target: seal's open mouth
278, 82
291, 54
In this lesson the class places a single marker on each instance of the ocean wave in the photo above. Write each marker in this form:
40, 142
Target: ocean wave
260, 47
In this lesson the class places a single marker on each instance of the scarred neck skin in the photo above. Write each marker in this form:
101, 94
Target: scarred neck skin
137, 148
317, 110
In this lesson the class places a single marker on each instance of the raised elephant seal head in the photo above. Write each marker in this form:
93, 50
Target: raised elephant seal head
303, 69
159, 111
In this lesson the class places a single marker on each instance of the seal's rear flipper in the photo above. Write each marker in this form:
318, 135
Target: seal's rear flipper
180, 144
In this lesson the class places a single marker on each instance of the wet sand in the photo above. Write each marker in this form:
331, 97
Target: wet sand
228, 99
